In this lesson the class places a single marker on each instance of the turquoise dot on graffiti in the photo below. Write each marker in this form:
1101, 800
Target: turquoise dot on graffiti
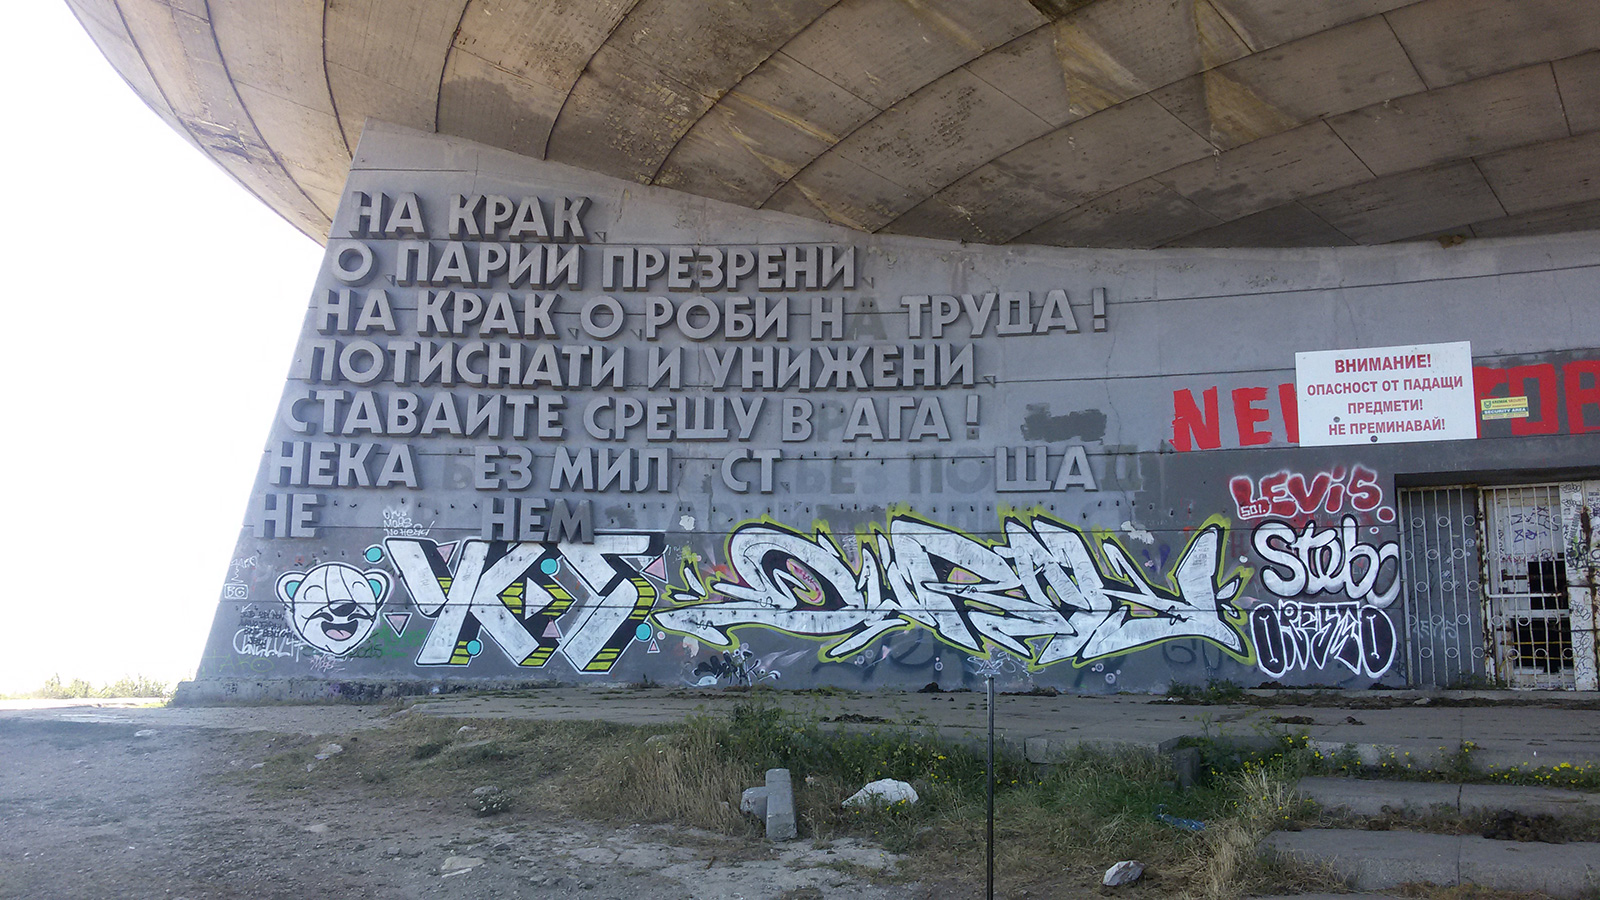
374, 553
474, 648
550, 566
642, 633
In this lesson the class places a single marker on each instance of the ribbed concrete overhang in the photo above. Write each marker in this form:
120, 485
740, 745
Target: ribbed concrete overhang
1106, 123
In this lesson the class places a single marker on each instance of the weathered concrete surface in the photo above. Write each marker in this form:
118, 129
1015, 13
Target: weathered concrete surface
1525, 734
109, 810
1089, 122
1377, 860
1133, 421
1370, 798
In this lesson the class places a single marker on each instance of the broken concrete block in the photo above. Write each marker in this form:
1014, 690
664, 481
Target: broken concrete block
754, 802
780, 806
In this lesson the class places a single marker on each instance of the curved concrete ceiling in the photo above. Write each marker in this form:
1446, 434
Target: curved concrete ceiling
1088, 123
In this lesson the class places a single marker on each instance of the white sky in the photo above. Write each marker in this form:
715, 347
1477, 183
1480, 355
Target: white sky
152, 310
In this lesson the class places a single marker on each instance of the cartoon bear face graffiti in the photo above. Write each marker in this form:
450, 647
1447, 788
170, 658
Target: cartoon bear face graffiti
334, 606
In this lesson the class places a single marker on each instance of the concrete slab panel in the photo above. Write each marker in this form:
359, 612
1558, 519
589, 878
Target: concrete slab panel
1408, 204
307, 142
1112, 51
356, 94
1579, 80
941, 133
1303, 162
1289, 225
192, 85
1143, 215
739, 153
762, 133
623, 118
1106, 151
547, 43
794, 201
1372, 798
1322, 75
181, 52
793, 93
848, 193
105, 27
1576, 217
709, 46
1468, 119
1557, 173
483, 102
1454, 40
1267, 23
1560, 870
1028, 71
883, 50
513, 63
1490, 798
1373, 860
990, 206
264, 45
385, 59
663, 67
280, 79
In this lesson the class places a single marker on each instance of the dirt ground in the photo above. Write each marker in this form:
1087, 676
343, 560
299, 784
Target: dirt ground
93, 809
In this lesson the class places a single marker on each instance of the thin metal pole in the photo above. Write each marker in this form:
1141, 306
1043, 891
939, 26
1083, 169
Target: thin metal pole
990, 894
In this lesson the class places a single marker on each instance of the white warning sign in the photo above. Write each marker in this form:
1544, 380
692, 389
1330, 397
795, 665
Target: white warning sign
1386, 395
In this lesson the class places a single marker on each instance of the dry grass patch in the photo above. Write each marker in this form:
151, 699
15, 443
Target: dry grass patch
1057, 828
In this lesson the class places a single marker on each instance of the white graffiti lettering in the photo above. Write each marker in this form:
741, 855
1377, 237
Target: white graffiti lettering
1297, 636
513, 593
1043, 595
1327, 561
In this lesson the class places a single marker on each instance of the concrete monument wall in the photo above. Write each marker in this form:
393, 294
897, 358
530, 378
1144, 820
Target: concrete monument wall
543, 425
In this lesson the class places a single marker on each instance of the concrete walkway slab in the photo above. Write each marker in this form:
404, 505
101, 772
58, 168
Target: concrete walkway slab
1380, 860
1537, 731
1489, 798
1375, 797
1529, 735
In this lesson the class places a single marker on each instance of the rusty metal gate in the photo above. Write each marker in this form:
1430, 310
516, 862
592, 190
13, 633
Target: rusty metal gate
1439, 556
1530, 621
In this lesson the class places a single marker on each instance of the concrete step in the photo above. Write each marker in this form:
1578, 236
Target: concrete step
1375, 797
1381, 860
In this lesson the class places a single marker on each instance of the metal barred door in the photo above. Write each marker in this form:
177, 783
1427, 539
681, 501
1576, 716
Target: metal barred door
1439, 541
1529, 612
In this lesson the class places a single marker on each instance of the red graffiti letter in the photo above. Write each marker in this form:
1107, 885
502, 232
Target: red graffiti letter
1291, 412
1544, 377
1579, 396
1365, 494
1190, 427
1246, 414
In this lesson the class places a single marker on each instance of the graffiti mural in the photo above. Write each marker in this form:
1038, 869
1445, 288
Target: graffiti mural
1332, 583
1294, 495
513, 593
1043, 593
265, 633
333, 606
1316, 560
1311, 636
